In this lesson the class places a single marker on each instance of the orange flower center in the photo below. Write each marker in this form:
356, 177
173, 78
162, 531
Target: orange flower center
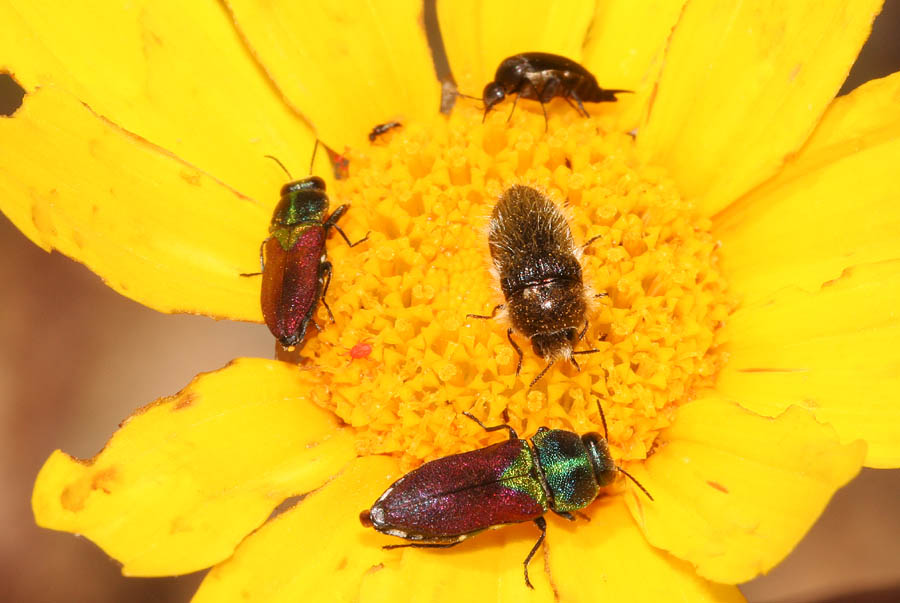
402, 362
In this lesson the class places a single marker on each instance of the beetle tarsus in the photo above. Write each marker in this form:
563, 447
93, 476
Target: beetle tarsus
512, 432
262, 262
541, 523
493, 313
326, 271
574, 96
349, 244
422, 545
518, 351
543, 372
583, 331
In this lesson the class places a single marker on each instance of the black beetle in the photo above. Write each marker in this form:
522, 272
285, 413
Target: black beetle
541, 76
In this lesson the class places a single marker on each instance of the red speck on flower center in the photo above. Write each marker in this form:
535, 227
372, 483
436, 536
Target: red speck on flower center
360, 350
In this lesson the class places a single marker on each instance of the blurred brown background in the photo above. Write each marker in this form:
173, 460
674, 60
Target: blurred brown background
76, 358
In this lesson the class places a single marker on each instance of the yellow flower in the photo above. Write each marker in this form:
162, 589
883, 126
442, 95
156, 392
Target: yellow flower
748, 249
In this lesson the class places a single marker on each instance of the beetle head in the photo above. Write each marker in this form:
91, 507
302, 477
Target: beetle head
313, 183
554, 345
493, 94
598, 451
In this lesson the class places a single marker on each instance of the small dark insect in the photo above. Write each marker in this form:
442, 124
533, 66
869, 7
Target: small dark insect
295, 270
540, 276
443, 502
541, 76
382, 128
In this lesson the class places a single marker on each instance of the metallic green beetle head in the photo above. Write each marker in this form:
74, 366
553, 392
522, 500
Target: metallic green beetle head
302, 201
598, 450
567, 467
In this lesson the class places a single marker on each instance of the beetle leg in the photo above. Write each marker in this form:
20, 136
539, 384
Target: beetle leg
583, 331
546, 122
539, 95
571, 104
550, 89
326, 272
591, 240
262, 263
493, 313
574, 96
543, 372
422, 545
515, 100
332, 221
335, 216
565, 515
518, 351
512, 432
580, 337
362, 240
541, 523
574, 362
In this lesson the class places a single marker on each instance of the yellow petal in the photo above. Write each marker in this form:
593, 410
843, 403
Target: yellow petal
315, 551
833, 206
625, 48
743, 86
479, 35
833, 351
187, 477
735, 492
155, 228
175, 73
320, 547
346, 67
608, 559
486, 567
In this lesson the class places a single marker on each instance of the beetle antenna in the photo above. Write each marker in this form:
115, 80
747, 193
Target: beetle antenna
467, 96
636, 483
313, 160
275, 159
603, 418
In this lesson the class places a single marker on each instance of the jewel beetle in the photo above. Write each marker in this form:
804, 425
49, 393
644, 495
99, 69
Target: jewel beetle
449, 499
295, 269
541, 76
536, 259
